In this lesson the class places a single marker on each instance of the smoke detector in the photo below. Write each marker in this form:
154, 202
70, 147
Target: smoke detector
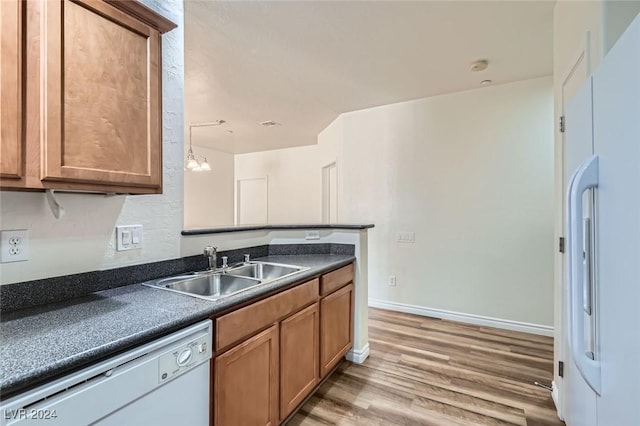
479, 65
486, 82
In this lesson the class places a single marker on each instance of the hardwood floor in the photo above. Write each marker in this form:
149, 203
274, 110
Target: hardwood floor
426, 371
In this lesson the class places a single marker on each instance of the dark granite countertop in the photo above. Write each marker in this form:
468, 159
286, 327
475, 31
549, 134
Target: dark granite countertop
243, 228
45, 342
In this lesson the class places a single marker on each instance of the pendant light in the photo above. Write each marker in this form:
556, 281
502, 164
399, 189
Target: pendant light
196, 162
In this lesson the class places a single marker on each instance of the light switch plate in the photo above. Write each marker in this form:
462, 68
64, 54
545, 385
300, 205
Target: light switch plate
128, 237
15, 245
406, 237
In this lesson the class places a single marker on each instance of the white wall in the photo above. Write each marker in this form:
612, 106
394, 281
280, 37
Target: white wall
84, 239
470, 173
208, 196
294, 176
617, 15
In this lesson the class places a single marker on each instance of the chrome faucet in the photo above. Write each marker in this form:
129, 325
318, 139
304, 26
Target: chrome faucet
212, 253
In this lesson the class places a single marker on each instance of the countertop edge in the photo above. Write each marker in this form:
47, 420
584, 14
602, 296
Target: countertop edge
46, 373
245, 228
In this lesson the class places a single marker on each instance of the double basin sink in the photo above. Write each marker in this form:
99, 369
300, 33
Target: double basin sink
214, 285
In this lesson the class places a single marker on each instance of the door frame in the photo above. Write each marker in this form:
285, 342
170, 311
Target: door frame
562, 352
325, 204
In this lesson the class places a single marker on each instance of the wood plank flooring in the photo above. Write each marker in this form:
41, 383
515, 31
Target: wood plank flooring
432, 372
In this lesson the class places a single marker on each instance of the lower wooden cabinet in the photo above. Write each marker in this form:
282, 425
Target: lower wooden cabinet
246, 382
299, 360
336, 327
261, 380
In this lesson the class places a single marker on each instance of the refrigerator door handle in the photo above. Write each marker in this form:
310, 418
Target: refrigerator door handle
587, 289
586, 177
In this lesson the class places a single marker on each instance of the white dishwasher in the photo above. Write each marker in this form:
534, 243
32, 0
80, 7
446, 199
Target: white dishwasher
164, 382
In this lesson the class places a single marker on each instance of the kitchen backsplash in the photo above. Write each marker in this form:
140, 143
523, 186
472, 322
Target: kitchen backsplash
50, 290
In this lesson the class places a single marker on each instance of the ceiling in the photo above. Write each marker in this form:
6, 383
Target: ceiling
302, 63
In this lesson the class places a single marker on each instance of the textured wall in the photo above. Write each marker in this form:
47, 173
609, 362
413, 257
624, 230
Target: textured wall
208, 196
84, 239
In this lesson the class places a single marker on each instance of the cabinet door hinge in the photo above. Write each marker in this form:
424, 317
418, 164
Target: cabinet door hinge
560, 368
562, 124
561, 244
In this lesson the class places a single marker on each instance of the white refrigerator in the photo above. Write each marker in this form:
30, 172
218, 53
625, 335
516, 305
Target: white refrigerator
601, 384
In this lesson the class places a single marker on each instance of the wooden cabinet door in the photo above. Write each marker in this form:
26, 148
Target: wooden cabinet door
102, 107
246, 382
11, 88
299, 358
336, 327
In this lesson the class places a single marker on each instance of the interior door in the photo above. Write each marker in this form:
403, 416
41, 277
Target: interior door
580, 399
252, 200
570, 154
330, 193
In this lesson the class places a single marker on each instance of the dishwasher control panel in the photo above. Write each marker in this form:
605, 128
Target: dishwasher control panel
181, 358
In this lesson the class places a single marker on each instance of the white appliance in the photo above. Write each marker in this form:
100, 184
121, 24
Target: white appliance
165, 382
601, 385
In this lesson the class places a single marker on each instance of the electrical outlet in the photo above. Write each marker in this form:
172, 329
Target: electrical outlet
15, 245
392, 280
312, 235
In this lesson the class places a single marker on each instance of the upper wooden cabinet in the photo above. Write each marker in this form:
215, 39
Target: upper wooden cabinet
102, 97
93, 96
11, 13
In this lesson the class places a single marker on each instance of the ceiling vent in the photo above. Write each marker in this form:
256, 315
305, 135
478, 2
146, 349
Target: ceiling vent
270, 123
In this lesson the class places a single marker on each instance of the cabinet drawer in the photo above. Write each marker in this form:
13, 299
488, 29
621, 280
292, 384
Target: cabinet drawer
239, 324
336, 279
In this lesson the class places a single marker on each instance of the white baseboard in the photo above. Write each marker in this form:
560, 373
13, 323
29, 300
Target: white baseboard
556, 399
525, 327
358, 355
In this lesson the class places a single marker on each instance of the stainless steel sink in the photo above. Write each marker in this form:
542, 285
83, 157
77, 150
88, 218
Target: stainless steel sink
213, 285
264, 271
210, 286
